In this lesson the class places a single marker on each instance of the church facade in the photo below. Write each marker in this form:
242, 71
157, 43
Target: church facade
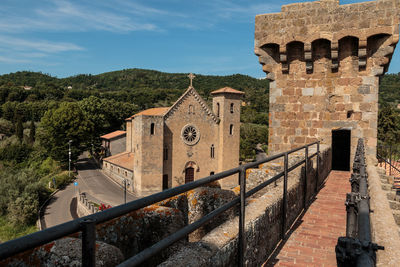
170, 146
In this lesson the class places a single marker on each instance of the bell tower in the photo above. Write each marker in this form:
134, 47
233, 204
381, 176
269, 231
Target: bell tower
226, 106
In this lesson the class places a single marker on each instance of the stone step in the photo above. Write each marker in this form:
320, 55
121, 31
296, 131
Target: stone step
394, 205
387, 187
396, 215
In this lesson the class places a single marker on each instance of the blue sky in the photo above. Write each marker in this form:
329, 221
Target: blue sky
68, 37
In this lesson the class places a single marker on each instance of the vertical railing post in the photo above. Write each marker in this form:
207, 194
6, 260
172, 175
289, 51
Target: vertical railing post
385, 156
242, 239
390, 165
317, 175
284, 198
305, 178
88, 243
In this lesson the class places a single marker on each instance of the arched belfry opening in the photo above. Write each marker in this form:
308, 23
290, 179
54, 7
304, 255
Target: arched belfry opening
341, 148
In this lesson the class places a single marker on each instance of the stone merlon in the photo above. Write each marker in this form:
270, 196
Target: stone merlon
325, 19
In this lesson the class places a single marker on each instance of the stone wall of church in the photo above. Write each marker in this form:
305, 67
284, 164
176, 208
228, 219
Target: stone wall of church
190, 112
324, 61
147, 146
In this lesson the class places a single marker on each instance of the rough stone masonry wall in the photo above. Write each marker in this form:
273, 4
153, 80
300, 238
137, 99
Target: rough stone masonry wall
262, 221
324, 61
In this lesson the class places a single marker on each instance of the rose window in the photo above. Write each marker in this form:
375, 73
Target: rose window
190, 135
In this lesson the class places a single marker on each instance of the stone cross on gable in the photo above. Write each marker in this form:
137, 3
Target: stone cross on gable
191, 77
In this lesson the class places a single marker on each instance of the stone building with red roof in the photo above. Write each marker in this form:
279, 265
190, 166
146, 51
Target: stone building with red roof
113, 143
170, 146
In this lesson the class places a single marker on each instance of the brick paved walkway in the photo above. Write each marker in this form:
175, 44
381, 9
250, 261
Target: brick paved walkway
313, 240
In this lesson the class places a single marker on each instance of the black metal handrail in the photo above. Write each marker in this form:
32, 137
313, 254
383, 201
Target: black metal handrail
386, 153
356, 248
88, 223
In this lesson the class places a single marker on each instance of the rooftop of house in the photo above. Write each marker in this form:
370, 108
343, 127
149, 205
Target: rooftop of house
124, 160
113, 135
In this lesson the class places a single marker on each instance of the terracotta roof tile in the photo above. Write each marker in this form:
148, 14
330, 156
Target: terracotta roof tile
227, 90
124, 160
113, 135
151, 112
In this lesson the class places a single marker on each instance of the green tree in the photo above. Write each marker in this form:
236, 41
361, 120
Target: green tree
32, 132
19, 129
388, 125
251, 135
58, 126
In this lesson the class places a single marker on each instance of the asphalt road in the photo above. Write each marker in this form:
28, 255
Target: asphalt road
62, 207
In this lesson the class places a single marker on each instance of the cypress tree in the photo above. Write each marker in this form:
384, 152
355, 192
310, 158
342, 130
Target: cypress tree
20, 129
32, 132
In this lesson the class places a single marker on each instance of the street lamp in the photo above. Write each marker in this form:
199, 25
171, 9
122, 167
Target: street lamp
125, 182
69, 158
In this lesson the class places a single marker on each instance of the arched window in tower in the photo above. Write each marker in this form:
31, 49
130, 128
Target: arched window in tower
191, 109
152, 128
212, 151
231, 107
231, 129
217, 109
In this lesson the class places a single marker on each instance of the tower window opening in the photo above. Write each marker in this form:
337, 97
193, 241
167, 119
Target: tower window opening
231, 129
212, 151
349, 113
191, 109
231, 107
152, 128
217, 109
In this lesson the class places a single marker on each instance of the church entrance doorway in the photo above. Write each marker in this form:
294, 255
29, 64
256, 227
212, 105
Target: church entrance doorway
341, 149
189, 175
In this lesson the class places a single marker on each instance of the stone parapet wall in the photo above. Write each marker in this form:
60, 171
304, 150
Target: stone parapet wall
263, 218
84, 207
323, 61
385, 231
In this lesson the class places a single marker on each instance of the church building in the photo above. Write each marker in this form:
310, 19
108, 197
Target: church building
170, 146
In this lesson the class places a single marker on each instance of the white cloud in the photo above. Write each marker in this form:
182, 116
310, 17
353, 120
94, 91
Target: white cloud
13, 60
19, 44
20, 50
60, 15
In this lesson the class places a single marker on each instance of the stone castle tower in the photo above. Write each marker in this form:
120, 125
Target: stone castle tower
324, 61
169, 146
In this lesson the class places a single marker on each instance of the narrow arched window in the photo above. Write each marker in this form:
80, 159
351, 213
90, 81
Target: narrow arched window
231, 107
191, 109
231, 129
152, 128
212, 151
211, 173
217, 109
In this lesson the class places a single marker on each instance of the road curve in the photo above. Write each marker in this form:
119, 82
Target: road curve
62, 206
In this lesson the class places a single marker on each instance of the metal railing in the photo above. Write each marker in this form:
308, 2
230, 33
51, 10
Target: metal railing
356, 248
88, 224
388, 155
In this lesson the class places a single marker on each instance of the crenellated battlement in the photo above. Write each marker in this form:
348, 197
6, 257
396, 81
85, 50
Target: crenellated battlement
370, 24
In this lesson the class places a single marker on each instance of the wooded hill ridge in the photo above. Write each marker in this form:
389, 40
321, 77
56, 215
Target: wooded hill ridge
142, 82
137, 85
